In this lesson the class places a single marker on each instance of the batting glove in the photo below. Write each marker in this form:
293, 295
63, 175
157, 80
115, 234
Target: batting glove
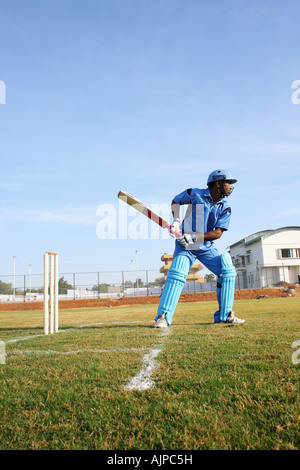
187, 239
176, 226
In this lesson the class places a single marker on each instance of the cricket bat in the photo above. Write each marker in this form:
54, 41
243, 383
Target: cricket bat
141, 207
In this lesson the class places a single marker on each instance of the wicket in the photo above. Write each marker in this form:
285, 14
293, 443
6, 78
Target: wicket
50, 293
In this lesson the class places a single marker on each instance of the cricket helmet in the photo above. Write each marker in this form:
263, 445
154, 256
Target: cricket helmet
221, 175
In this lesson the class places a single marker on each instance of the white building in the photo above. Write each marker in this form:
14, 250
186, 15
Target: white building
267, 258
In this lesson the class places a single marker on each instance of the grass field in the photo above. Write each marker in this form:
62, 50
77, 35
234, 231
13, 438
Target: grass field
210, 386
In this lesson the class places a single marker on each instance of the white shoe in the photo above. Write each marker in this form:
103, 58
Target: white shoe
233, 319
161, 322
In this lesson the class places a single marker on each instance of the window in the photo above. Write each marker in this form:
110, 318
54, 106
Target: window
242, 260
290, 252
286, 253
248, 257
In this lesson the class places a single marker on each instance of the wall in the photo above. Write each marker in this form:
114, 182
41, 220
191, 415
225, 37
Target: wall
284, 239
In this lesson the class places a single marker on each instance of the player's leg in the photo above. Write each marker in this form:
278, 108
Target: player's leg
175, 281
219, 297
229, 274
222, 266
211, 259
228, 285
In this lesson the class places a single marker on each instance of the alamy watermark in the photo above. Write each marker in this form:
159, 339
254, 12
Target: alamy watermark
2, 353
296, 94
296, 354
2, 92
125, 222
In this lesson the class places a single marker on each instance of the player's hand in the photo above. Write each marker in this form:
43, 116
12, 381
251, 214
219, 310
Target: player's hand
187, 240
175, 227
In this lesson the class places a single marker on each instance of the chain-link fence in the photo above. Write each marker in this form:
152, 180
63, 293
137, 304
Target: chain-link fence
115, 284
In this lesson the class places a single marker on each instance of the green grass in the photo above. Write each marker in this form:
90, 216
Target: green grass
217, 386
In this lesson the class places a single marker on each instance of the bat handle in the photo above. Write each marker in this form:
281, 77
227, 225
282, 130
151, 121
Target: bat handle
176, 233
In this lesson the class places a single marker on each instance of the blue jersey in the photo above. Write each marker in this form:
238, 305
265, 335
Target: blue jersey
213, 215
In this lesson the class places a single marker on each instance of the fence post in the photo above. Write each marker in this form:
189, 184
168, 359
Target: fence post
74, 286
147, 283
123, 285
283, 271
98, 285
24, 287
258, 276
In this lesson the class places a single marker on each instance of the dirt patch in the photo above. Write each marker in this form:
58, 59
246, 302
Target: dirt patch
199, 297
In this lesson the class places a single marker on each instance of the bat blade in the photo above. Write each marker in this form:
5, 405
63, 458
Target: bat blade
146, 210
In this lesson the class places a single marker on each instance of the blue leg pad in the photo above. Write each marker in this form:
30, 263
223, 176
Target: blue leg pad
174, 284
217, 316
219, 296
228, 285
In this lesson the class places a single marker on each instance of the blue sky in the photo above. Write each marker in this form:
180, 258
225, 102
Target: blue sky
149, 97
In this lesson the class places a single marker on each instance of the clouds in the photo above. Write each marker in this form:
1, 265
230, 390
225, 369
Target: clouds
149, 97
78, 215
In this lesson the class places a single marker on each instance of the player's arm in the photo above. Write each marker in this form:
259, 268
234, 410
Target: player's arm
223, 224
213, 234
180, 199
175, 208
209, 236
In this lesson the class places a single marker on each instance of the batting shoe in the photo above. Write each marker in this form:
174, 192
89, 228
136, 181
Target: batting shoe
232, 319
161, 322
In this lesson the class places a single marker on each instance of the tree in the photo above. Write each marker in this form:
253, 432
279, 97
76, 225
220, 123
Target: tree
34, 290
5, 288
159, 281
138, 283
128, 284
63, 286
101, 287
209, 278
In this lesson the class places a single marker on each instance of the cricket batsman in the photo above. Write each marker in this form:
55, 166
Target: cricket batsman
209, 217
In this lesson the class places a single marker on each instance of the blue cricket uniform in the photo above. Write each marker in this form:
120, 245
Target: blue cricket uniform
215, 216
201, 217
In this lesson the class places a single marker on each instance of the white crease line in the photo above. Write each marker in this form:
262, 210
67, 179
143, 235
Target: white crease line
76, 351
142, 381
25, 338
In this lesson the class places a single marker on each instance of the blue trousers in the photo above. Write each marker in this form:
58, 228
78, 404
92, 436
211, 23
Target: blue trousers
209, 257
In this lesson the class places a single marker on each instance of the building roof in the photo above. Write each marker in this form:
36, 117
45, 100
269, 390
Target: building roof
262, 234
